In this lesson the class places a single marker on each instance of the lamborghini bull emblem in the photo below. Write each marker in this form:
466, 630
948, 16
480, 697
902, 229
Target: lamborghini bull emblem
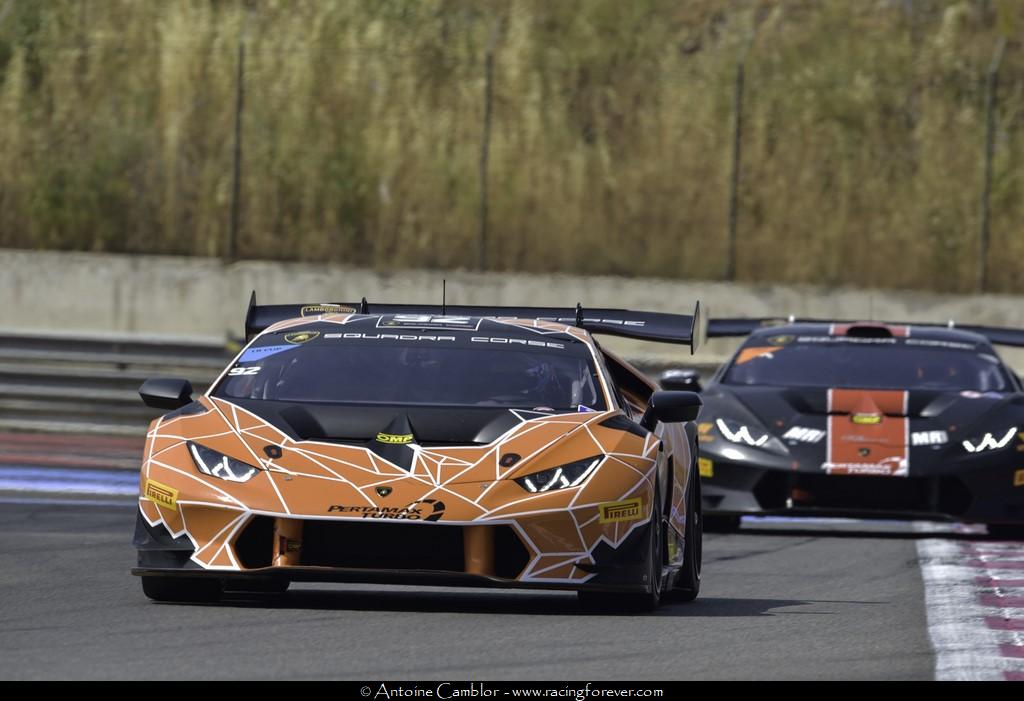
301, 336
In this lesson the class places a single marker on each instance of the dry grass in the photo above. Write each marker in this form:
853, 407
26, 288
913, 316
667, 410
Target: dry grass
611, 135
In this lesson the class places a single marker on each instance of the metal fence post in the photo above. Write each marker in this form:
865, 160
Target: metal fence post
991, 97
236, 184
485, 146
737, 147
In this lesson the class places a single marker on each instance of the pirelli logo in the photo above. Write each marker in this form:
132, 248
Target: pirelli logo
399, 439
615, 511
161, 494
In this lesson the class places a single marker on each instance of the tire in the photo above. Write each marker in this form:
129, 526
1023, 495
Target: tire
688, 580
182, 589
641, 602
1006, 531
257, 586
721, 524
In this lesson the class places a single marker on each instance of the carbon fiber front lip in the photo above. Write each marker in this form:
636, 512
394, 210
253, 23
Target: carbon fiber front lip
367, 576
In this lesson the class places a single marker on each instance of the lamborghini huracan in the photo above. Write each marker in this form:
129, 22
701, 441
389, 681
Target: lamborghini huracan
414, 444
862, 419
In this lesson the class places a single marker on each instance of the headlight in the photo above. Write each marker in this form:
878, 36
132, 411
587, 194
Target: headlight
738, 433
210, 462
989, 442
570, 475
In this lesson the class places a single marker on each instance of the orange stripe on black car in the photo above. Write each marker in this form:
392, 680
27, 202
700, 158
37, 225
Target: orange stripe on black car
868, 433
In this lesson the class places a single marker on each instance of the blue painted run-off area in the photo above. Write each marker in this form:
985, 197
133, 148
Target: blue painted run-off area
67, 481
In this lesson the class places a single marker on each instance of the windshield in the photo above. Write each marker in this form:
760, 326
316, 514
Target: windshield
867, 363
416, 369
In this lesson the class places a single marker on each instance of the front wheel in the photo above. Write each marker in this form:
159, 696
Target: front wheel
182, 589
646, 601
688, 581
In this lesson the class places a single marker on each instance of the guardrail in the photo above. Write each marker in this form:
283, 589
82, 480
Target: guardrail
79, 384
57, 383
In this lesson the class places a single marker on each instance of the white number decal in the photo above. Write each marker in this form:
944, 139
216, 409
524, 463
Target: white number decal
244, 371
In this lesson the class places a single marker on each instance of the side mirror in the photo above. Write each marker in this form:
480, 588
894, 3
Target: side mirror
671, 407
166, 393
682, 379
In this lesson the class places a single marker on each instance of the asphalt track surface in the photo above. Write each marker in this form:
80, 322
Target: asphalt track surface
780, 600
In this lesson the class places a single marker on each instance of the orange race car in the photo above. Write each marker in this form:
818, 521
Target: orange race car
417, 444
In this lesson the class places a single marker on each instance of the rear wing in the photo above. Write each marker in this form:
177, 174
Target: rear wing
723, 328
660, 327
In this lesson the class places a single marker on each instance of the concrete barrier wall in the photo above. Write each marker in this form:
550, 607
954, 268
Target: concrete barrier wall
202, 297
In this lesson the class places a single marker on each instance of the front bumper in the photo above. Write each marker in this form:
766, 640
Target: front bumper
378, 552
974, 493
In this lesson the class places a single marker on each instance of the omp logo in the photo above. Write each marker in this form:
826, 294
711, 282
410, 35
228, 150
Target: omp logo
318, 309
399, 439
161, 494
866, 419
301, 336
615, 511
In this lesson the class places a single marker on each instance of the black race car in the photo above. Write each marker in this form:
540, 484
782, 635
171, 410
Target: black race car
862, 419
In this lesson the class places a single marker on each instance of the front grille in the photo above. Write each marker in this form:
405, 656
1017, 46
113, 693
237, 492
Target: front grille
862, 493
385, 546
510, 555
255, 545
381, 545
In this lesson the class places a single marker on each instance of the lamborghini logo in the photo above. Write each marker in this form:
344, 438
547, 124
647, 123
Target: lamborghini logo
301, 336
399, 439
161, 494
615, 511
